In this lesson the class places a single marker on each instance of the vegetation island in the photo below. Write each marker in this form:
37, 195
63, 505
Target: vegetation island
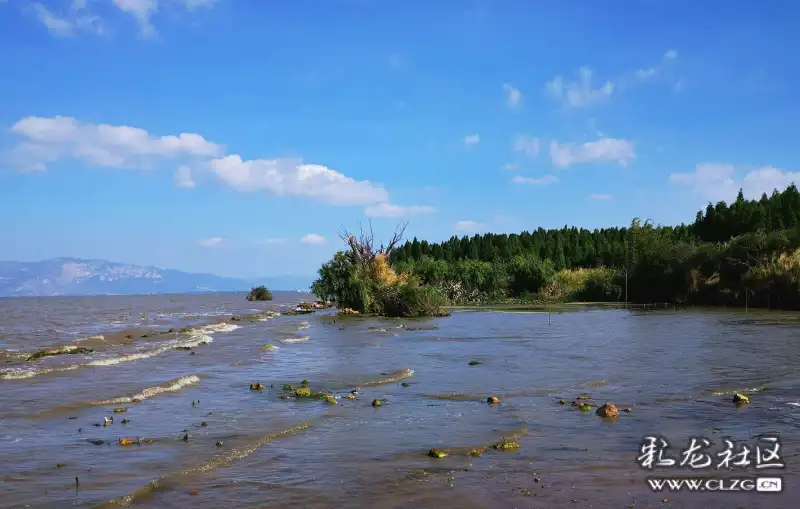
746, 254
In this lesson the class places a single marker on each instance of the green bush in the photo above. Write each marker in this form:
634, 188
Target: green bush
259, 293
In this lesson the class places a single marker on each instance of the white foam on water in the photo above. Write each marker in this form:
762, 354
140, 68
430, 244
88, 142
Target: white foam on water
303, 325
171, 386
295, 340
195, 337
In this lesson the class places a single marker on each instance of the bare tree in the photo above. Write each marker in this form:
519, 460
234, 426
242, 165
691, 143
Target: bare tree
362, 248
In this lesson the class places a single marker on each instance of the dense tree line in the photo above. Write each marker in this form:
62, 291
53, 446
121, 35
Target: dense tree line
745, 253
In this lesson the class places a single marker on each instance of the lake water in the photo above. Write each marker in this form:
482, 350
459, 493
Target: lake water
675, 370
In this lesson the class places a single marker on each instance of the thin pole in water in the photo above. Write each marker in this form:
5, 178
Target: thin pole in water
549, 316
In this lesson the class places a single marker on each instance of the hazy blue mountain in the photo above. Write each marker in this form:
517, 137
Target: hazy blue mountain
74, 276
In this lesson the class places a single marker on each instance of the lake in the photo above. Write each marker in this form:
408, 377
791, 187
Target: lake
203, 439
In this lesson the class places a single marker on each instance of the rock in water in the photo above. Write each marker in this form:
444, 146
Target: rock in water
607, 410
493, 400
437, 453
740, 399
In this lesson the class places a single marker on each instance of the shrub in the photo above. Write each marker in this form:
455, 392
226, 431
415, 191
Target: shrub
259, 293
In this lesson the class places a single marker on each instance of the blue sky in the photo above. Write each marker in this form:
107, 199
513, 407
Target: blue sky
237, 137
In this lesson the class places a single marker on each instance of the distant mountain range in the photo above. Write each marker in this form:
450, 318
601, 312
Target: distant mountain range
75, 276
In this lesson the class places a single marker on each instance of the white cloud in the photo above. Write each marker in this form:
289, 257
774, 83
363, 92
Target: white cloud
183, 177
56, 25
602, 197
604, 150
47, 140
313, 238
291, 177
513, 95
649, 72
467, 226
212, 242
389, 210
528, 145
77, 18
472, 139
580, 93
142, 11
717, 181
540, 181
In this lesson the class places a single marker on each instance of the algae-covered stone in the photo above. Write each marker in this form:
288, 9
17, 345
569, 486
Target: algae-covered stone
288, 387
120, 410
96, 441
304, 383
506, 445
269, 348
627, 410
477, 451
583, 397
493, 400
350, 396
562, 402
607, 410
128, 441
474, 363
219, 443
584, 407
256, 387
436, 453
330, 399
404, 384
377, 402
740, 399
302, 392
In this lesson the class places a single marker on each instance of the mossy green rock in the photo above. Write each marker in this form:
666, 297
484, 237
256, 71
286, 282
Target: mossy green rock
506, 445
740, 399
474, 363
303, 392
584, 407
437, 453
288, 387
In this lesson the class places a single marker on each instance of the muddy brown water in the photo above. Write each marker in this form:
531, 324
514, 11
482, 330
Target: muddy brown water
675, 370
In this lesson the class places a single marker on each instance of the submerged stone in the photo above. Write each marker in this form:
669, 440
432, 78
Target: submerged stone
607, 410
269, 348
96, 441
584, 407
627, 410
219, 443
474, 363
128, 441
330, 399
477, 451
506, 445
304, 383
740, 399
257, 387
437, 453
120, 410
302, 392
288, 387
404, 384
562, 402
377, 402
493, 400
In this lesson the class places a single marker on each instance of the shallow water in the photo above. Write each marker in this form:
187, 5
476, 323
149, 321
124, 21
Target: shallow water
675, 370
